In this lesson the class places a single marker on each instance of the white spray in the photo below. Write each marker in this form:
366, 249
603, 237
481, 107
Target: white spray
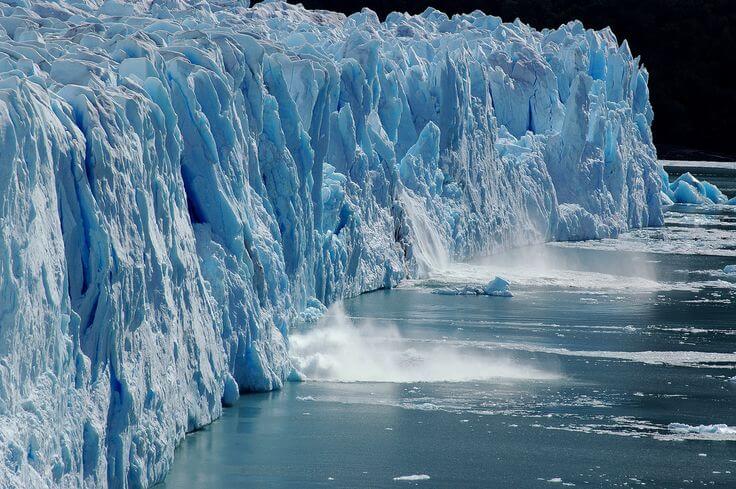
429, 251
338, 349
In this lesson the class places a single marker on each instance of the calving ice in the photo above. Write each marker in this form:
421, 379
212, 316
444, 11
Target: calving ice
179, 181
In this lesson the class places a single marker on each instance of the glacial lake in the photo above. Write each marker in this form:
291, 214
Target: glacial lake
613, 365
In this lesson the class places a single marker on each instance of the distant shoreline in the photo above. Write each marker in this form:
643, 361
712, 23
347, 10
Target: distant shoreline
674, 153
723, 168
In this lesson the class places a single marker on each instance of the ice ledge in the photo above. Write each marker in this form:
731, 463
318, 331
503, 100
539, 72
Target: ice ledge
180, 180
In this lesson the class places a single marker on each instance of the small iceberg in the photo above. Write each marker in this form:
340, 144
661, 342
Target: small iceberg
498, 287
729, 269
687, 189
685, 193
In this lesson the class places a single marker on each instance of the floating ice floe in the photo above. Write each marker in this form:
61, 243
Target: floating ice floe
460, 290
414, 477
687, 189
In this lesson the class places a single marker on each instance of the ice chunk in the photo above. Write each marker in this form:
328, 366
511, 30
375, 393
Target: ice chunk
230, 392
685, 193
687, 189
313, 311
713, 193
688, 178
413, 477
498, 287
463, 290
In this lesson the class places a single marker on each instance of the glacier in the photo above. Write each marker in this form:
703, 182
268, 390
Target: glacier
182, 180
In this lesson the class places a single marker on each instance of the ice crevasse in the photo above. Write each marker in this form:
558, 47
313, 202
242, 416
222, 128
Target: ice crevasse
179, 182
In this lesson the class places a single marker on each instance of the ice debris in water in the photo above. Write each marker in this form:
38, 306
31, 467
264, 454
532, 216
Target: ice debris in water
313, 311
687, 189
414, 477
729, 269
497, 287
181, 181
460, 290
713, 429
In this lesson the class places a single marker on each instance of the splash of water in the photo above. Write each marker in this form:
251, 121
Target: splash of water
338, 349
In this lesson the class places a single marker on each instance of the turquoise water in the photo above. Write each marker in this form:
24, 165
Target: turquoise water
599, 372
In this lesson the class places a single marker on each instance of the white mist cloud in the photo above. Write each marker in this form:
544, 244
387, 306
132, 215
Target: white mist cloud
337, 349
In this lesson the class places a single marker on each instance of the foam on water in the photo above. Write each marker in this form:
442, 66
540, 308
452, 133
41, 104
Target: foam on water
714, 240
632, 427
695, 359
540, 269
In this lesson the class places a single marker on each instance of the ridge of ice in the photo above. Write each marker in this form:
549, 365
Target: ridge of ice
180, 181
686, 189
715, 429
711, 432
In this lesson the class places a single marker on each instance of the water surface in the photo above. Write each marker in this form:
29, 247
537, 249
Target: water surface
610, 367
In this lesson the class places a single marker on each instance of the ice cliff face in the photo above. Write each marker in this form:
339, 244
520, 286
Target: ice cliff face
179, 182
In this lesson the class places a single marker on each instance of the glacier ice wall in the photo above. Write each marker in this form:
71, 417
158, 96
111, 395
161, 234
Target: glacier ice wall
179, 182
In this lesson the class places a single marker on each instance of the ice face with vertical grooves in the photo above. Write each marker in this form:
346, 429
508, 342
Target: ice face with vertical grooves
180, 181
